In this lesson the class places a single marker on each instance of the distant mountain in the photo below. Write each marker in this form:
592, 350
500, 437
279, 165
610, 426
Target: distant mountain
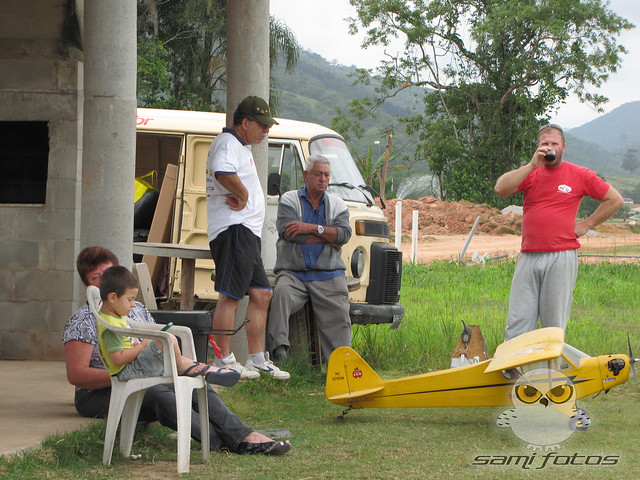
316, 87
594, 155
602, 143
618, 129
313, 89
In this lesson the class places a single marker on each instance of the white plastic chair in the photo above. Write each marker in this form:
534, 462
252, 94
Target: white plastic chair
126, 397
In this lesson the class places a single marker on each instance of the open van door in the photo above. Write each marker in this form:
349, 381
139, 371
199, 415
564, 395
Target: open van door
285, 160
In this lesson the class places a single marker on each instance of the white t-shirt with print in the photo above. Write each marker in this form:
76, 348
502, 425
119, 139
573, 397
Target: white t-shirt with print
228, 155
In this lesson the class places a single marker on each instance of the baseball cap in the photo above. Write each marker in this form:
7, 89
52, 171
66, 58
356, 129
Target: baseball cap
257, 109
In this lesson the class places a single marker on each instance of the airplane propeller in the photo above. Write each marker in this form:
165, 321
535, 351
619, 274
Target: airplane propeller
632, 361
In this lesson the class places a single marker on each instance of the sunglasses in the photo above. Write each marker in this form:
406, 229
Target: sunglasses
252, 119
551, 125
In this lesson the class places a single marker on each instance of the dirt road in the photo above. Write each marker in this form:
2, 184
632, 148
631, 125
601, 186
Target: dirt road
448, 247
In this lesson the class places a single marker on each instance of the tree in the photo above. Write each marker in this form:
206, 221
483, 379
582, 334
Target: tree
351, 125
631, 160
187, 38
368, 167
490, 71
374, 171
153, 77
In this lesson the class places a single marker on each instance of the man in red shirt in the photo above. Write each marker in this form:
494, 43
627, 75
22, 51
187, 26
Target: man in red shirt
547, 267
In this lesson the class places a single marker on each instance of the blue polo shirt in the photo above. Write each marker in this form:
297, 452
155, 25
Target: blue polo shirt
311, 251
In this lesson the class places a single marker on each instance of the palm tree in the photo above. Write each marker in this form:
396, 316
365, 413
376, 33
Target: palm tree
186, 40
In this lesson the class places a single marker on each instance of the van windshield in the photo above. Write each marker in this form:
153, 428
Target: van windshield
346, 181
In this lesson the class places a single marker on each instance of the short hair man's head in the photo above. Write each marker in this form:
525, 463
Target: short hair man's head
118, 280
92, 257
552, 127
255, 109
317, 173
308, 166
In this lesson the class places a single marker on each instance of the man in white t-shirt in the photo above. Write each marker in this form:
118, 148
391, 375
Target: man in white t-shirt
235, 214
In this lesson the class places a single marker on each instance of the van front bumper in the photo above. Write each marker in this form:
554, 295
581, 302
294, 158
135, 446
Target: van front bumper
367, 314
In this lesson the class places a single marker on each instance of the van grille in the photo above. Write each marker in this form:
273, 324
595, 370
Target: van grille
385, 274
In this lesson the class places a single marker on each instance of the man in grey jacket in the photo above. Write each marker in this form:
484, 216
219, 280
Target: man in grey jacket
312, 227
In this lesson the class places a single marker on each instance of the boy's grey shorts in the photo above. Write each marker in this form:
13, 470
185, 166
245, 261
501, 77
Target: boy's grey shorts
149, 363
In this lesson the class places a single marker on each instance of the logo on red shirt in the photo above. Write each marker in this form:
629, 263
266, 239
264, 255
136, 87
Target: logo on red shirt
564, 188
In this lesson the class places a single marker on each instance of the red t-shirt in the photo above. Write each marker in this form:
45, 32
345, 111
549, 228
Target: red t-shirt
551, 201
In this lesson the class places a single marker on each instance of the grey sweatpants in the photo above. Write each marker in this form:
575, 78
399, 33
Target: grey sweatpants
330, 303
542, 286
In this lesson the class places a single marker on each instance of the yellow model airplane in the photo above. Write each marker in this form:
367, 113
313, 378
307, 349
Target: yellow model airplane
352, 383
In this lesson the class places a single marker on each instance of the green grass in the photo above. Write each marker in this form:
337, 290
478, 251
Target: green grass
620, 250
400, 443
438, 296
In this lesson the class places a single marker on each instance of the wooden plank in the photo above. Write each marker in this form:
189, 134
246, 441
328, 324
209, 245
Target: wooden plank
303, 335
146, 294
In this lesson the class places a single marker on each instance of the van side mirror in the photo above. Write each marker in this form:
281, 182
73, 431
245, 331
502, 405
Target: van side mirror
273, 184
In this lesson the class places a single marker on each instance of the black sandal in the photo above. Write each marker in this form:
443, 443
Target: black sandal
266, 448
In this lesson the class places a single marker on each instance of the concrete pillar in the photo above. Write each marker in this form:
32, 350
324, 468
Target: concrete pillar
108, 167
248, 62
247, 74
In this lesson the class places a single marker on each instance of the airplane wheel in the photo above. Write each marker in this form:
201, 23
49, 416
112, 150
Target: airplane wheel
580, 421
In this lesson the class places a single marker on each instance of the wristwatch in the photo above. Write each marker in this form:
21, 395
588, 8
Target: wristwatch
320, 229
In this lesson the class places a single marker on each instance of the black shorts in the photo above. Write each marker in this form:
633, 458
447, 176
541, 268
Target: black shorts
239, 267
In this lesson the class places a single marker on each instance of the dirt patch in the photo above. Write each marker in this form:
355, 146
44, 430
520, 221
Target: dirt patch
443, 229
453, 218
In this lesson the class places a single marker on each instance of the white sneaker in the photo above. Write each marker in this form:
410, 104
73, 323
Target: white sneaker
267, 368
230, 362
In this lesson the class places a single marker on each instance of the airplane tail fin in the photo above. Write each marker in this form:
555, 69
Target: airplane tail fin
349, 377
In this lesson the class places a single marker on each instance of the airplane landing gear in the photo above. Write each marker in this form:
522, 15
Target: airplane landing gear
344, 412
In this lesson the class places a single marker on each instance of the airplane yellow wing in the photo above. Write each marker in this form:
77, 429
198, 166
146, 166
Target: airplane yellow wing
535, 346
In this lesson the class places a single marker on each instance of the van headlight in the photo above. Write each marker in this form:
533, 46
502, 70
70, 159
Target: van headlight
357, 263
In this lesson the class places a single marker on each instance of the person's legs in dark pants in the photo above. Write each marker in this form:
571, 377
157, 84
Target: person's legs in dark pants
225, 430
92, 403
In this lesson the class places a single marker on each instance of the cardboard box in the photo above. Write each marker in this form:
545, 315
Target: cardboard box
160, 231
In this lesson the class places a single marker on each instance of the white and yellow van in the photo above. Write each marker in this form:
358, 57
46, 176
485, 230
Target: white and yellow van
183, 138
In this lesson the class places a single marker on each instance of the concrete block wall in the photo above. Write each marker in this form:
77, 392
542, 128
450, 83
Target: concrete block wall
41, 80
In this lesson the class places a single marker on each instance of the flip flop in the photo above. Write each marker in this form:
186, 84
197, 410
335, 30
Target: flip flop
226, 379
188, 373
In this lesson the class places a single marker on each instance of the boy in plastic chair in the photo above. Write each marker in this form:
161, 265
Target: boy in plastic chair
128, 358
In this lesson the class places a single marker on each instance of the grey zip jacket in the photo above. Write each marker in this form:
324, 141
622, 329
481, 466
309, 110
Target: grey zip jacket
289, 253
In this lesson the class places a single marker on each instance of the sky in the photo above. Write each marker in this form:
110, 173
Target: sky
319, 26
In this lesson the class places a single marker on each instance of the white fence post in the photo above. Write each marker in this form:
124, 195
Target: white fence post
414, 237
399, 225
466, 244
